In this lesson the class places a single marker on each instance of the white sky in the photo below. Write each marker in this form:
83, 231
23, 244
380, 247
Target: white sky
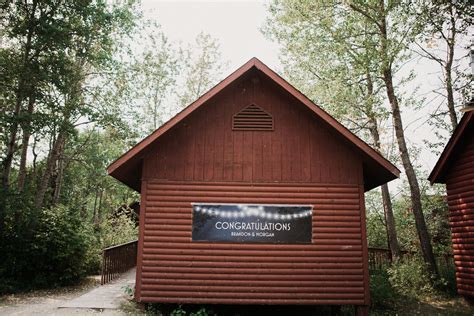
237, 24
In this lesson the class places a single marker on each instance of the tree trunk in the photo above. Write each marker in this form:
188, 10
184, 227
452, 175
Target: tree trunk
423, 235
387, 202
422, 230
449, 89
26, 126
60, 174
448, 71
35, 154
390, 220
19, 96
99, 207
58, 145
51, 161
94, 214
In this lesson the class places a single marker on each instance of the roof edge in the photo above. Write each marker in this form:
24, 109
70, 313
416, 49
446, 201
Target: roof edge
362, 145
183, 113
440, 165
254, 62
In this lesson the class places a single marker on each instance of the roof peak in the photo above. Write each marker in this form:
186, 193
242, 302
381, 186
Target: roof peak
254, 62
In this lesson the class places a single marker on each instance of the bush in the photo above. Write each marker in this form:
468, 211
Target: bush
43, 249
179, 310
112, 231
62, 241
410, 277
447, 274
382, 294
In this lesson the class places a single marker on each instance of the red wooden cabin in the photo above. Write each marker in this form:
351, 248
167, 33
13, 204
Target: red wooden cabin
455, 168
253, 142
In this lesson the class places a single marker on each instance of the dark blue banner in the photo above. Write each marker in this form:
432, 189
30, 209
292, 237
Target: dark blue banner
252, 223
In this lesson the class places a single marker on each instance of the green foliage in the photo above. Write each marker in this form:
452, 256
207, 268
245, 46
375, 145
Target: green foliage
410, 280
85, 180
202, 312
117, 230
112, 231
129, 290
61, 241
182, 310
375, 221
60, 244
49, 48
410, 277
155, 78
178, 311
55, 247
382, 293
43, 249
435, 210
329, 53
76, 95
203, 67
447, 283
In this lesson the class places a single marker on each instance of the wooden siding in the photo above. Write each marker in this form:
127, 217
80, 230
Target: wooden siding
460, 187
331, 270
301, 148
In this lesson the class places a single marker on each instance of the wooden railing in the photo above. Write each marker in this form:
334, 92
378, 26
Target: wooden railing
118, 259
381, 258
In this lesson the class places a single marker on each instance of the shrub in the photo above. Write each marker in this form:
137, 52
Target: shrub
382, 293
62, 242
182, 310
410, 277
112, 231
447, 273
43, 249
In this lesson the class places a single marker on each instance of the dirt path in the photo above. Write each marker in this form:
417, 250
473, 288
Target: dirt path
46, 302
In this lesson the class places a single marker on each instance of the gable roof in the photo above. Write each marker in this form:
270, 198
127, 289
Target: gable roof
377, 169
438, 174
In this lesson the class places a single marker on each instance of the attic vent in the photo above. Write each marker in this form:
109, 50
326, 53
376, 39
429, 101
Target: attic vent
252, 118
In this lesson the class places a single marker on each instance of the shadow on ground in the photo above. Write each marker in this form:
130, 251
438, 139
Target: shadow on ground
404, 306
430, 306
245, 310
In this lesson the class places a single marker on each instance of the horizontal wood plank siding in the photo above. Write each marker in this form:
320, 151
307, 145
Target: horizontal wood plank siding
460, 187
331, 270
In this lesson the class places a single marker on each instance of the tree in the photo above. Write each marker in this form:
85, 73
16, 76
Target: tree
50, 49
89, 51
203, 68
329, 54
395, 28
145, 82
158, 70
445, 32
52, 54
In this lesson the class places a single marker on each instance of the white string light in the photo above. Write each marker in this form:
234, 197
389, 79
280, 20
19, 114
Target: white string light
257, 211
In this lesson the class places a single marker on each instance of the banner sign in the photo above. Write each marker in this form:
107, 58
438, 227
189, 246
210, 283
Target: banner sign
252, 223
